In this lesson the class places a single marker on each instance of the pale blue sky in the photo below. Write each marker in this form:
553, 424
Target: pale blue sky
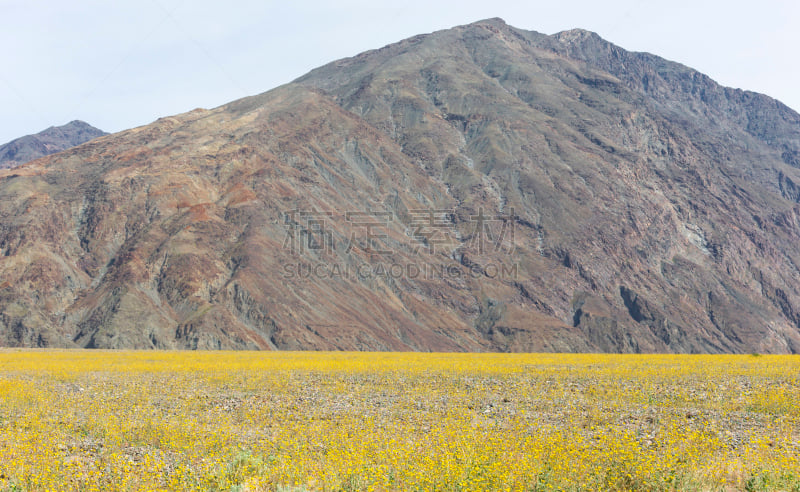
120, 64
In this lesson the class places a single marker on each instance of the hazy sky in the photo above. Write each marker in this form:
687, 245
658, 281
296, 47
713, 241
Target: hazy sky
120, 64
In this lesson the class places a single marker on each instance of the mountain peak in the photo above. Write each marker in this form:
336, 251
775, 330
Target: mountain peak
49, 141
478, 188
78, 124
493, 21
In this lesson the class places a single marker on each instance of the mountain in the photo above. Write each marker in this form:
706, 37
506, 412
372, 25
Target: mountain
478, 188
49, 141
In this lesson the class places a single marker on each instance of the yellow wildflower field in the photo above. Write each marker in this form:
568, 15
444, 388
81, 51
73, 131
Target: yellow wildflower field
102, 420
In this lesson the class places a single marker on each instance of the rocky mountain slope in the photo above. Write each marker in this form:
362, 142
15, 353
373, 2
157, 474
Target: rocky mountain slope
478, 188
49, 141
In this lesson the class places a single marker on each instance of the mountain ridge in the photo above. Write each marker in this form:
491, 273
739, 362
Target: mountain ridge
648, 217
49, 141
